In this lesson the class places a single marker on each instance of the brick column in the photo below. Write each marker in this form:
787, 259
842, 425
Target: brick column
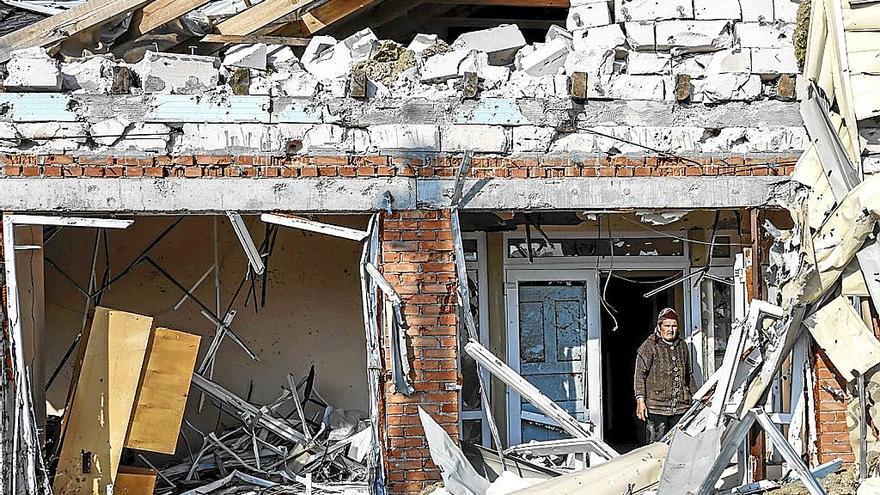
418, 260
832, 437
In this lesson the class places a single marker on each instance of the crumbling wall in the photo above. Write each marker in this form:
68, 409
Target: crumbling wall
312, 315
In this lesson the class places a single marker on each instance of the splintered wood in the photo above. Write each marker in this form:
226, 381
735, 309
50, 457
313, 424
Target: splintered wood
164, 389
99, 412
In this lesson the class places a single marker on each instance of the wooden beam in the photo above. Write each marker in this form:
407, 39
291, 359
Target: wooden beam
561, 4
479, 22
326, 15
263, 13
249, 39
61, 26
159, 12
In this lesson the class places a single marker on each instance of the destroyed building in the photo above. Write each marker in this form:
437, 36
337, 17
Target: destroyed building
275, 244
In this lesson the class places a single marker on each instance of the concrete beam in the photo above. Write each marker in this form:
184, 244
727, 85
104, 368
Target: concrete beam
343, 195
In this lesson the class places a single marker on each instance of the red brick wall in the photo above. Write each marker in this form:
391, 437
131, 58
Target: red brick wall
193, 166
417, 259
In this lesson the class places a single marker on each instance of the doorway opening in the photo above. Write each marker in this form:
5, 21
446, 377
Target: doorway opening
636, 319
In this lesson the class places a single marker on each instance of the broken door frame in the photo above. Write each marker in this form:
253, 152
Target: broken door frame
593, 352
481, 267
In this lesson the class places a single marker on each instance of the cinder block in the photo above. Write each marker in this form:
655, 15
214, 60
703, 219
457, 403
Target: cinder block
546, 60
588, 14
717, 9
405, 137
638, 63
693, 35
32, 69
177, 73
652, 10
93, 75
758, 35
774, 61
479, 138
499, 43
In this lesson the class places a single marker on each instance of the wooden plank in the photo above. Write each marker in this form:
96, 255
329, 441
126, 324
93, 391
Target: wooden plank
159, 12
134, 481
328, 14
61, 26
485, 22
250, 39
561, 4
100, 410
164, 388
261, 14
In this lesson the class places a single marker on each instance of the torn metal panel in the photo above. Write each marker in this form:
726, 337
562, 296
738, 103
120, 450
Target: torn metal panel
247, 242
459, 476
690, 459
370, 255
842, 334
628, 473
833, 156
313, 226
400, 369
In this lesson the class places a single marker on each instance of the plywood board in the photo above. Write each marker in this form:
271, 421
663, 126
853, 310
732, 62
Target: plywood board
164, 388
101, 406
134, 481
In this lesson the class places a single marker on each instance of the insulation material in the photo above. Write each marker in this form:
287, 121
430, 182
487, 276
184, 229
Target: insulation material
840, 331
459, 476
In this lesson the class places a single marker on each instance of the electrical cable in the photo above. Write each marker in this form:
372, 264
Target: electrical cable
683, 239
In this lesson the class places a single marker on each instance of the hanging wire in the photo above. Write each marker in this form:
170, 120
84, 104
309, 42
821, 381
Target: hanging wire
683, 239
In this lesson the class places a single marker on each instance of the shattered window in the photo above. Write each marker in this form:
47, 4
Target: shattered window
470, 250
717, 318
621, 246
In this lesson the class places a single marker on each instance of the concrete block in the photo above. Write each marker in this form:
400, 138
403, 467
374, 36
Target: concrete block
599, 38
317, 46
478, 138
776, 139
499, 43
730, 61
332, 62
444, 66
177, 73
574, 143
640, 35
774, 61
145, 137
261, 83
107, 132
32, 69
692, 64
648, 63
360, 45
729, 87
414, 137
691, 36
756, 10
299, 84
9, 139
249, 56
546, 60
652, 10
93, 75
587, 15
280, 56
485, 70
717, 9
785, 11
629, 87
226, 137
758, 35
421, 42
557, 32
54, 136
593, 62
533, 139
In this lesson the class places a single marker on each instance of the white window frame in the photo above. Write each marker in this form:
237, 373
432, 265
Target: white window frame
481, 266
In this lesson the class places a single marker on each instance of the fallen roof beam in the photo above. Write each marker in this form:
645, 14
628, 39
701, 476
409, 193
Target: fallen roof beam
98, 223
61, 26
263, 13
251, 39
325, 15
313, 226
485, 22
159, 12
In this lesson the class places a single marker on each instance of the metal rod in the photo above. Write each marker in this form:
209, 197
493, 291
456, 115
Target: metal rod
863, 429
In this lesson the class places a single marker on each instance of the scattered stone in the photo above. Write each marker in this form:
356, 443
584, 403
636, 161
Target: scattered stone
177, 73
786, 87
682, 88
648, 63
692, 64
357, 84
588, 13
627, 87
330, 61
281, 56
557, 32
692, 36
579, 85
32, 69
93, 75
422, 42
731, 61
640, 35
717, 9
470, 85
250, 56
107, 132
546, 60
240, 81
500, 43
774, 61
388, 61
297, 84
652, 10
758, 35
